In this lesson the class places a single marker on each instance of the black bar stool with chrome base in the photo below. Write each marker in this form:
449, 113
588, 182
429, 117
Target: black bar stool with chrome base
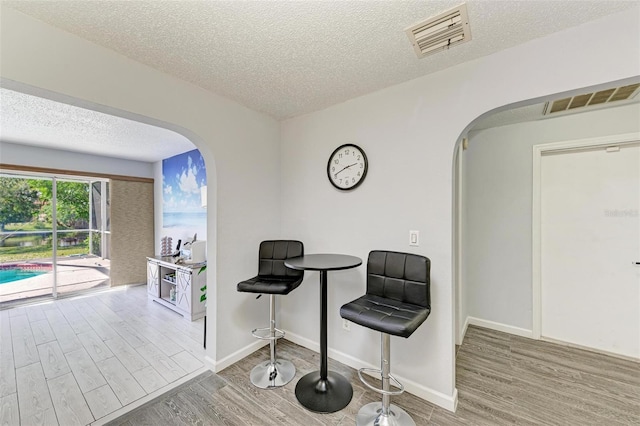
397, 301
273, 278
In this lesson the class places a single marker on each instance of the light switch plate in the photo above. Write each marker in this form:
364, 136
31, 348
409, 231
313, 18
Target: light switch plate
414, 238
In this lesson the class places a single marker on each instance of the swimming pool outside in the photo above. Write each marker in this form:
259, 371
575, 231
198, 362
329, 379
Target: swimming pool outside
74, 273
20, 271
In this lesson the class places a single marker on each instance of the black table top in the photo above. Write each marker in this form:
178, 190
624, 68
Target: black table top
323, 262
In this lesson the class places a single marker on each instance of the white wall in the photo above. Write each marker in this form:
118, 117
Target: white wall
498, 205
34, 156
409, 132
240, 148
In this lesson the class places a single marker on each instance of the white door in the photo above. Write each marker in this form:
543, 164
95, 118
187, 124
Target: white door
590, 242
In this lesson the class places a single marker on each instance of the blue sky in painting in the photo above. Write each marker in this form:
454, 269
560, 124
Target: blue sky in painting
182, 177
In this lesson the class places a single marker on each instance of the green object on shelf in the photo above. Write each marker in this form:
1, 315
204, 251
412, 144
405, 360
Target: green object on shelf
203, 297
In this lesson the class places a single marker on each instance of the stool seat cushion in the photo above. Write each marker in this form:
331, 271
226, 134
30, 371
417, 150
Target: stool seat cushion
266, 285
274, 277
385, 315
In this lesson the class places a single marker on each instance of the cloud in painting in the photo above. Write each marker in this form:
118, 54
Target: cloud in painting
182, 177
188, 181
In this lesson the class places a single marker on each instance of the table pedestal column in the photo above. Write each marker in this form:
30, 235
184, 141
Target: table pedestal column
324, 391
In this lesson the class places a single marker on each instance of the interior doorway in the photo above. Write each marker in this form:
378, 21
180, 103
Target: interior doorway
496, 219
589, 228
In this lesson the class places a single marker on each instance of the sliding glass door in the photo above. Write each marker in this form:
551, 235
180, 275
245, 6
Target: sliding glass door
100, 234
54, 235
26, 237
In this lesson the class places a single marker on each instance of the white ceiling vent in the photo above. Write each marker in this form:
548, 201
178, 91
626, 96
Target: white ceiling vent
615, 94
441, 32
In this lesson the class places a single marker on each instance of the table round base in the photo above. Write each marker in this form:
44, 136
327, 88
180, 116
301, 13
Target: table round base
324, 396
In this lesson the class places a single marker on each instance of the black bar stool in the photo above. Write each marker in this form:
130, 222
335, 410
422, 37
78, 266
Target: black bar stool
273, 278
396, 303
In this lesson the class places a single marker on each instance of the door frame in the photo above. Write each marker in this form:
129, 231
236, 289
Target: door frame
27, 172
536, 228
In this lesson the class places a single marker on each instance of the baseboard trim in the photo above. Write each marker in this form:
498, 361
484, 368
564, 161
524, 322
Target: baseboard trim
218, 366
448, 402
522, 332
589, 349
210, 363
464, 330
303, 341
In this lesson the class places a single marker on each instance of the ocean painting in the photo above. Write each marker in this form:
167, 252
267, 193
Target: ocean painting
183, 212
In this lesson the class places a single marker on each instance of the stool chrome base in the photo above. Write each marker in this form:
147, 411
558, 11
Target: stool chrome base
270, 375
371, 415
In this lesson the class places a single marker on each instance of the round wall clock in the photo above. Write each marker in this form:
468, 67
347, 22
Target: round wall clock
347, 167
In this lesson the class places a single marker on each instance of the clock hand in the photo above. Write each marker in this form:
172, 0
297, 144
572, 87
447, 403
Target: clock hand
341, 170
344, 168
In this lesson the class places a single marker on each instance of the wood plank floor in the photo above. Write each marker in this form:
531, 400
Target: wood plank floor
76, 360
502, 380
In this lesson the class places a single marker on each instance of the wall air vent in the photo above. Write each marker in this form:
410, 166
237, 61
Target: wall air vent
441, 32
591, 99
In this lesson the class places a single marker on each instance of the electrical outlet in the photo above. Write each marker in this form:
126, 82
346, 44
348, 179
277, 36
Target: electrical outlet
346, 325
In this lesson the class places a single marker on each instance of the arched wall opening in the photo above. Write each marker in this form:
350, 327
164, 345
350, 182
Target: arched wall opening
240, 147
211, 181
493, 240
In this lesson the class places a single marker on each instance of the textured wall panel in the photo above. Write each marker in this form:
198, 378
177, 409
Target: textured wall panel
131, 231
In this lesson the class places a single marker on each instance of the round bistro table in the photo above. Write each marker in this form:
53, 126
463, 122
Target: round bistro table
323, 391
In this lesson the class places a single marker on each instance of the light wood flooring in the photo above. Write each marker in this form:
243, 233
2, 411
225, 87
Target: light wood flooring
501, 379
73, 361
76, 361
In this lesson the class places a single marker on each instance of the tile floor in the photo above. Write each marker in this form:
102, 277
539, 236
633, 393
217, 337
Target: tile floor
74, 361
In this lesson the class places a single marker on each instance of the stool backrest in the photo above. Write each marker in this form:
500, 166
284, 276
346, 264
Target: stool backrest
403, 277
272, 255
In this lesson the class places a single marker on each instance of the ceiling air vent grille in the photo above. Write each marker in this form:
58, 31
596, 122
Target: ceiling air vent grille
441, 32
591, 99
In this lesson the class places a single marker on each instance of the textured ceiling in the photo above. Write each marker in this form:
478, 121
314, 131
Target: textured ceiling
287, 58
31, 120
284, 58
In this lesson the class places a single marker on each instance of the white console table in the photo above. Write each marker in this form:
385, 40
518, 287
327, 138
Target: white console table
177, 286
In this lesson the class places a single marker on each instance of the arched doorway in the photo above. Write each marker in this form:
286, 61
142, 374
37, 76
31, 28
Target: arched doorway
495, 266
51, 136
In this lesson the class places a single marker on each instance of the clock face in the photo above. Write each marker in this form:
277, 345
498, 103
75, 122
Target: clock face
347, 167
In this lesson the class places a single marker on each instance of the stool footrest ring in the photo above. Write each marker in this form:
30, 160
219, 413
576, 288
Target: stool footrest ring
395, 381
265, 333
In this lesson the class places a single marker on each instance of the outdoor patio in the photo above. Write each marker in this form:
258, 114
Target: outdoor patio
75, 273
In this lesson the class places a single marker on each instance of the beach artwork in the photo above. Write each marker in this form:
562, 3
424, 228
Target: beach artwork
184, 211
